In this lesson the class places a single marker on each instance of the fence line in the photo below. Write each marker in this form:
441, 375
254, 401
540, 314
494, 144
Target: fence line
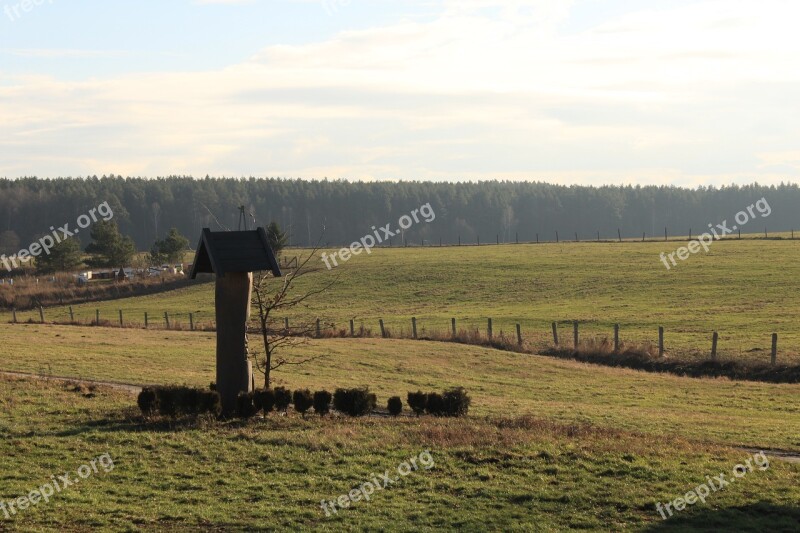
385, 332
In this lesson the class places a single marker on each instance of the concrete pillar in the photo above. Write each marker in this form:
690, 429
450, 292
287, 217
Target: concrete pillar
234, 370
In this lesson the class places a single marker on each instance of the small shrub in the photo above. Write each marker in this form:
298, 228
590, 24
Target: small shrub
167, 401
264, 400
283, 398
322, 402
417, 401
456, 402
435, 404
210, 402
303, 400
187, 400
244, 405
148, 401
354, 402
395, 405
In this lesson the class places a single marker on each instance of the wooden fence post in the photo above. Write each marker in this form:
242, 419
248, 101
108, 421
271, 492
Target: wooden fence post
352, 328
286, 325
556, 237
453, 324
96, 317
616, 338
555, 334
414, 326
145, 320
383, 329
619, 235
41, 314
575, 334
714, 339
519, 335
71, 314
774, 348
14, 314
166, 318
576, 236
660, 341
120, 318
191, 321
489, 329
537, 238
319, 330
665, 235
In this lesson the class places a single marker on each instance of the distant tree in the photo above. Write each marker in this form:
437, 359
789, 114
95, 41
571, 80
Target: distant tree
277, 237
9, 242
170, 249
109, 248
63, 257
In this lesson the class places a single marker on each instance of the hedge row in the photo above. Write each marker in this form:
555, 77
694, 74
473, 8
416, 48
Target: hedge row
452, 402
175, 401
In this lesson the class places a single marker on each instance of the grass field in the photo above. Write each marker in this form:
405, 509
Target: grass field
502, 383
549, 444
509, 473
742, 289
273, 474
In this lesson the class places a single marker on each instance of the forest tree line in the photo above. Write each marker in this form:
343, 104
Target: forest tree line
339, 212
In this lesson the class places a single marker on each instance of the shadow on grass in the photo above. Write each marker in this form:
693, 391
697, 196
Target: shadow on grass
130, 421
761, 516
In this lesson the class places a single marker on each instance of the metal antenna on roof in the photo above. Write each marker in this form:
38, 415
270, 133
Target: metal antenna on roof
242, 218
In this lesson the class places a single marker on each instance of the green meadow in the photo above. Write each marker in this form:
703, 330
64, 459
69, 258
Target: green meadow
549, 445
744, 290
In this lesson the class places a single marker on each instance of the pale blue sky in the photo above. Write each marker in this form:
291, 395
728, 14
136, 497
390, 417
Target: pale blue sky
681, 92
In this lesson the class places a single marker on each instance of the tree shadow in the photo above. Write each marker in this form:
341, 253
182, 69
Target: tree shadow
130, 421
761, 516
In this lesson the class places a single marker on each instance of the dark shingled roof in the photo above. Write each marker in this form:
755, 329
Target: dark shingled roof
234, 251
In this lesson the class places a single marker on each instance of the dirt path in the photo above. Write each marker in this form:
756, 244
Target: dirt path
128, 387
781, 455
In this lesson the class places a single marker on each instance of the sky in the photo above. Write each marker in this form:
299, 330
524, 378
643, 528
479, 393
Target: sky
593, 92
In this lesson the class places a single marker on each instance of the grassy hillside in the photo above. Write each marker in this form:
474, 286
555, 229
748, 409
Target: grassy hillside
503, 474
502, 383
743, 289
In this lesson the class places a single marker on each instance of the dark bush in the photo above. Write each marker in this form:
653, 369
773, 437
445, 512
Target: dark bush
187, 400
456, 402
175, 401
395, 405
354, 402
283, 398
264, 400
417, 401
148, 401
210, 402
322, 402
303, 400
167, 401
244, 405
435, 404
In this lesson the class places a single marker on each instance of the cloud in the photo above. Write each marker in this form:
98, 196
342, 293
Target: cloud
701, 93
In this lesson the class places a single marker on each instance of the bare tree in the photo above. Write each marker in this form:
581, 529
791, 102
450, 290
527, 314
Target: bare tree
276, 296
